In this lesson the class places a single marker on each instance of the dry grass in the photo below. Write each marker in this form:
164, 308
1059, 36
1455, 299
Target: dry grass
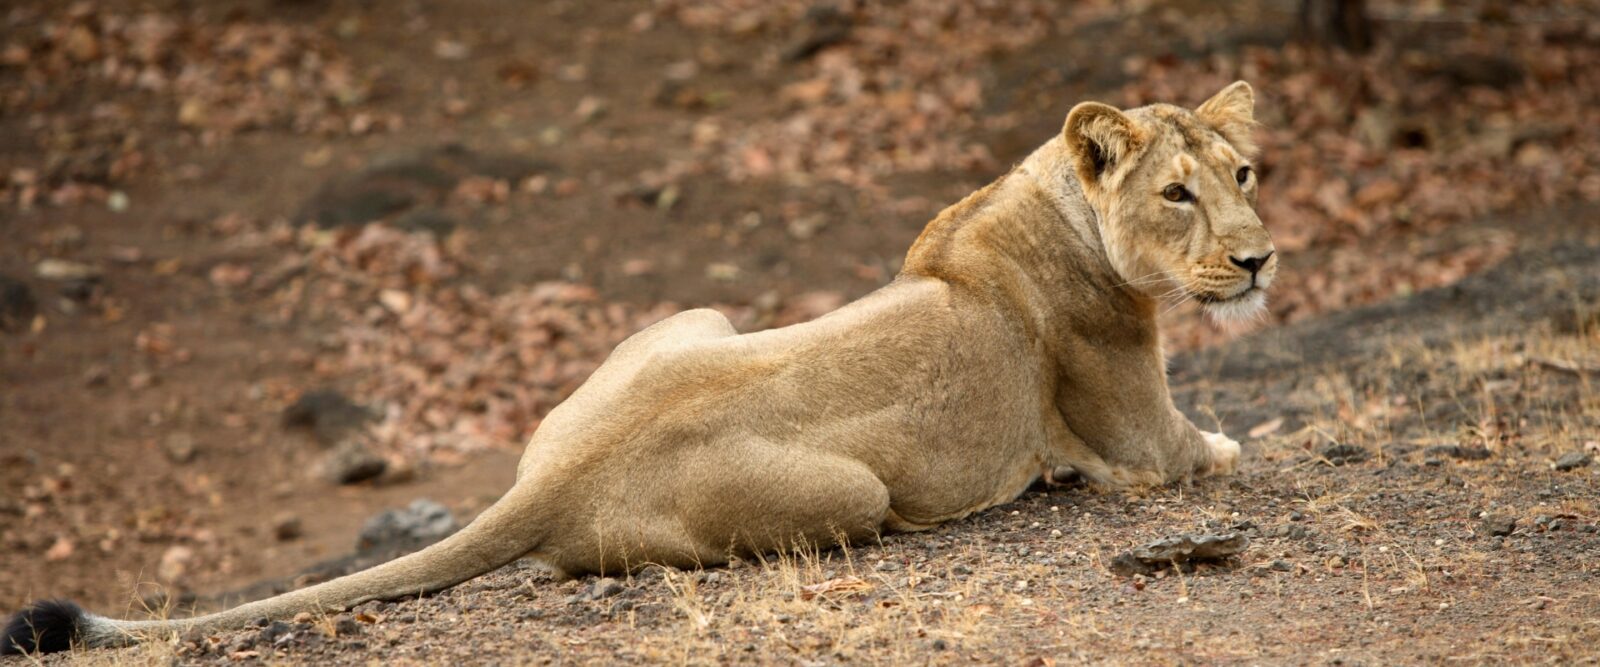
1381, 560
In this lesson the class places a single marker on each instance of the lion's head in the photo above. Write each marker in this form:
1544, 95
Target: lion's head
1175, 195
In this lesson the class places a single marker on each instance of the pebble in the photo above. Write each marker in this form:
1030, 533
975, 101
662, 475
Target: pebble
17, 305
181, 447
604, 587
63, 270
330, 415
1344, 454
287, 527
347, 626
274, 630
351, 462
1573, 461
422, 522
1499, 525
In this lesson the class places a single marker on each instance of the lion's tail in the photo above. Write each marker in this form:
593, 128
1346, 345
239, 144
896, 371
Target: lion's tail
503, 533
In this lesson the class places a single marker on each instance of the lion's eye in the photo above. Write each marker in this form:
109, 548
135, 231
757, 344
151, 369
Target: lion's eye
1177, 193
1243, 175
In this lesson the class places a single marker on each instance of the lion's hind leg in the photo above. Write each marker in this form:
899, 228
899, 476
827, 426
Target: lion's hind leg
761, 497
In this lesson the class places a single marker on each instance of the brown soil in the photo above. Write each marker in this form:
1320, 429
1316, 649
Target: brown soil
166, 347
1404, 502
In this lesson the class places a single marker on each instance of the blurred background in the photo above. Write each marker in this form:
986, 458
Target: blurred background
270, 266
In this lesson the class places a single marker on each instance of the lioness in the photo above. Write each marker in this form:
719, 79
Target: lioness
1019, 337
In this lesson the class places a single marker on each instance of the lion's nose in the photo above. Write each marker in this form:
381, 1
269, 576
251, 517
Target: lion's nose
1251, 264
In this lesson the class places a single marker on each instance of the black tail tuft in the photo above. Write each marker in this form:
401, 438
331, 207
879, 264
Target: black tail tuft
47, 626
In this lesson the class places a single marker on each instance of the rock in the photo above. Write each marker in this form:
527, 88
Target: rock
427, 219
65, 271
394, 184
330, 415
1572, 461
604, 587
805, 227
590, 108
351, 462
347, 626
354, 204
824, 26
1463, 452
1499, 526
174, 563
1180, 550
17, 305
98, 375
420, 523
243, 642
1343, 454
1491, 70
287, 527
270, 634
180, 447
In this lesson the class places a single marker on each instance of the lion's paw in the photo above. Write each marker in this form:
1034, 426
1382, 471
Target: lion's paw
1224, 453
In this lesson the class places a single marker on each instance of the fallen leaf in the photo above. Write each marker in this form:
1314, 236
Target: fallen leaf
842, 586
1266, 428
61, 550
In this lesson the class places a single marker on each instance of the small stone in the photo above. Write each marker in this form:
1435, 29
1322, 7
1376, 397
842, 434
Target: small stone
273, 631
1343, 454
605, 587
63, 270
1462, 452
174, 563
180, 447
329, 414
824, 26
1572, 461
1499, 525
427, 220
421, 523
303, 617
1282, 566
98, 375
347, 626
351, 462
590, 108
1178, 550
287, 527
17, 305
806, 227
243, 642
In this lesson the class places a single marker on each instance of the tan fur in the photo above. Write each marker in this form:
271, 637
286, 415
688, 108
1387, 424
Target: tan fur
1020, 336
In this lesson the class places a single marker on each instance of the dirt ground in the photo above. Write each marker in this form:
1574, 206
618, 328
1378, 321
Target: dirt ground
213, 168
1406, 500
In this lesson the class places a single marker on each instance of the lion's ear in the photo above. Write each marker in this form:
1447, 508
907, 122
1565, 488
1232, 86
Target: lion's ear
1232, 114
1100, 137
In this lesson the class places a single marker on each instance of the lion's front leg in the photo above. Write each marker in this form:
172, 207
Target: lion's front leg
1118, 440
